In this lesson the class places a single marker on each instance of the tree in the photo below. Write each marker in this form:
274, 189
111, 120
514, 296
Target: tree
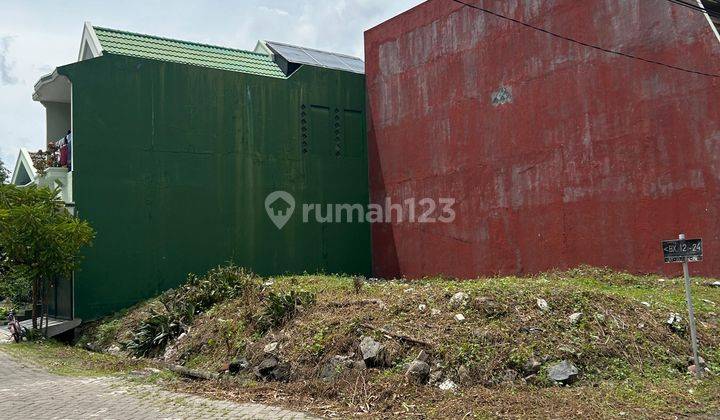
39, 240
4, 175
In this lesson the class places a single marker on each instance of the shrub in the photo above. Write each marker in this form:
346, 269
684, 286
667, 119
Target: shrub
182, 305
219, 284
155, 332
281, 307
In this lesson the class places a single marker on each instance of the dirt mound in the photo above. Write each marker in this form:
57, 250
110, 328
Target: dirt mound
347, 345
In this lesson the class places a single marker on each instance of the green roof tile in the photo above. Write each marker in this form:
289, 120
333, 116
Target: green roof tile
163, 49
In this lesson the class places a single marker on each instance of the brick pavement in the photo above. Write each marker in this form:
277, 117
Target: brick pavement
29, 392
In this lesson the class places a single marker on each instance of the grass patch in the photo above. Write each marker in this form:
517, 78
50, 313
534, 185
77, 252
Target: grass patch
67, 360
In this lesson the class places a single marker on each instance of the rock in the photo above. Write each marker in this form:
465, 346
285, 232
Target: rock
272, 369
435, 312
266, 367
713, 284
459, 317
435, 376
422, 307
418, 371
114, 350
490, 308
532, 366
692, 369
575, 318
447, 385
281, 372
237, 365
691, 360
270, 348
459, 300
335, 366
564, 372
359, 365
675, 323
372, 351
646, 304
542, 304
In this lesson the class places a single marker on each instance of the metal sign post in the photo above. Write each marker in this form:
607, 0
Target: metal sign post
684, 251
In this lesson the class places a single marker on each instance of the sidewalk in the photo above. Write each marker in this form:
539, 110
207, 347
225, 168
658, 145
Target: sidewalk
32, 393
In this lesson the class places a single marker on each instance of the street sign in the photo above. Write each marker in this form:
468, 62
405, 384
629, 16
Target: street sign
682, 250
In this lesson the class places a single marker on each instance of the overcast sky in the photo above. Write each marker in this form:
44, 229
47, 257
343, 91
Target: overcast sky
37, 36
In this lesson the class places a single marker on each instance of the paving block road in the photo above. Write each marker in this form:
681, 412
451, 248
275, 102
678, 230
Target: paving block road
29, 392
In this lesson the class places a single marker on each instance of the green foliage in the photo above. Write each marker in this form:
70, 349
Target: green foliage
319, 340
34, 335
282, 306
15, 285
182, 305
219, 284
39, 238
4, 175
160, 328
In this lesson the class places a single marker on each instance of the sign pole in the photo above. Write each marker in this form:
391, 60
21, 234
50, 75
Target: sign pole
691, 314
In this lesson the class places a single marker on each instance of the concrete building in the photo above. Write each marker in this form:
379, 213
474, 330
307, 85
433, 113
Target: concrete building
176, 146
557, 151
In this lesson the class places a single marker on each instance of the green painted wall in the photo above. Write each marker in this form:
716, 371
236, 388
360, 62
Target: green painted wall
172, 164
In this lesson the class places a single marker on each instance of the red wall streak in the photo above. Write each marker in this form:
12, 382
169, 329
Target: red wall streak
595, 160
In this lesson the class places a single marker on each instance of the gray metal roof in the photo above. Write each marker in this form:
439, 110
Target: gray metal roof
302, 55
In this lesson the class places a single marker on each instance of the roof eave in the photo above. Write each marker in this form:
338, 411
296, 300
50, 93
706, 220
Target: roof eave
89, 43
48, 78
24, 159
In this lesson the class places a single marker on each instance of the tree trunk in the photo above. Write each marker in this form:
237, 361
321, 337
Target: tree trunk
41, 293
34, 302
46, 309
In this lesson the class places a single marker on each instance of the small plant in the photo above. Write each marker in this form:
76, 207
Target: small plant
182, 305
282, 307
159, 329
219, 284
318, 342
358, 283
34, 334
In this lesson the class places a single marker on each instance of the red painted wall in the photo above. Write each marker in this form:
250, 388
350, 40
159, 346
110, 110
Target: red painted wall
594, 160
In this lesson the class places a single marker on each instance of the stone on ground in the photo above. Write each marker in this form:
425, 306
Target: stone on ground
371, 350
418, 371
563, 372
459, 300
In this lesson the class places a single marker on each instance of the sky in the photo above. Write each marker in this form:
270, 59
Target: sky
37, 36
